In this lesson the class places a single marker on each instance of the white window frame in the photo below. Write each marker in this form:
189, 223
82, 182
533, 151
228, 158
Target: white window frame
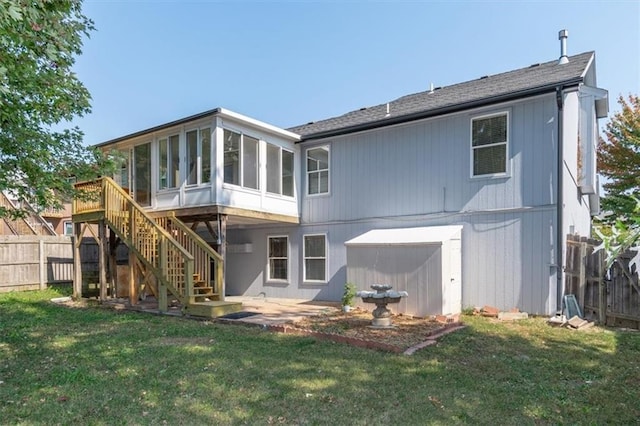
64, 227
281, 150
308, 173
269, 277
326, 259
506, 172
167, 139
241, 162
199, 155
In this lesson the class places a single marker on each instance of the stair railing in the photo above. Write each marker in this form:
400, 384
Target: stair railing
17, 226
203, 254
170, 262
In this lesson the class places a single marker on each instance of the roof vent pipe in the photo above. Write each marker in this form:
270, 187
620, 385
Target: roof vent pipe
562, 36
431, 88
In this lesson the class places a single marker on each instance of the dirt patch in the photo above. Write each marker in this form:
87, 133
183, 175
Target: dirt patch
406, 333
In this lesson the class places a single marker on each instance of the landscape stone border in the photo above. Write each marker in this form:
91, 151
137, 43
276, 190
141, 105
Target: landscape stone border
431, 338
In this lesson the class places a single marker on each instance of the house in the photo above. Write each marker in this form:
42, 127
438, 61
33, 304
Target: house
471, 189
31, 223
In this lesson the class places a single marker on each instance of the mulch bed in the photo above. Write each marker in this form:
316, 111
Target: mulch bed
408, 334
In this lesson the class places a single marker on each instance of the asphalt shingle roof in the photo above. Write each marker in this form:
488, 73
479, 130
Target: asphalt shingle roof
520, 82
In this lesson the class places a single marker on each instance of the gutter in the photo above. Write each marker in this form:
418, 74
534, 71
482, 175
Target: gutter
442, 110
560, 202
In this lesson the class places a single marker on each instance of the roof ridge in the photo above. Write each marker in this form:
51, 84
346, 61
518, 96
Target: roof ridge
411, 103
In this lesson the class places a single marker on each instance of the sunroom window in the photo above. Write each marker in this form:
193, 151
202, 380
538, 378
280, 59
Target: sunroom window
199, 156
489, 138
169, 162
240, 160
279, 171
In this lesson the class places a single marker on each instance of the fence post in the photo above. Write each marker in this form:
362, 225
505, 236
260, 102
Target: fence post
77, 265
41, 265
602, 294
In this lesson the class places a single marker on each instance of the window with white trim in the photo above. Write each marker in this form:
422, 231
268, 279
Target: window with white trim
279, 170
199, 156
169, 170
240, 159
489, 139
278, 262
315, 258
318, 170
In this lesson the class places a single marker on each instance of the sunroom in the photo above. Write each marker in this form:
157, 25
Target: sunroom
214, 163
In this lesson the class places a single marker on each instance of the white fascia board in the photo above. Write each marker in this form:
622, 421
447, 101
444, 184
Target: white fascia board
407, 236
601, 97
225, 113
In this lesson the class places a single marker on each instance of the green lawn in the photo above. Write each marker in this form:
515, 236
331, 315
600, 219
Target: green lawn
94, 366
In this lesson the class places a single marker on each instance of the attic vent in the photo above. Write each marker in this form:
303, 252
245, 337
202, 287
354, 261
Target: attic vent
534, 65
483, 77
311, 122
363, 108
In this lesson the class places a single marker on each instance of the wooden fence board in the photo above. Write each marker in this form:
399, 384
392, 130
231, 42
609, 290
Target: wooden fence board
31, 262
610, 299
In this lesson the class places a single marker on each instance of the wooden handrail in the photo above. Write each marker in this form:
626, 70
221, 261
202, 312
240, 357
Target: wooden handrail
166, 257
22, 226
202, 252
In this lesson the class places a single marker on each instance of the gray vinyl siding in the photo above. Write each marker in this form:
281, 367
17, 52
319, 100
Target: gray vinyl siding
419, 175
424, 168
506, 259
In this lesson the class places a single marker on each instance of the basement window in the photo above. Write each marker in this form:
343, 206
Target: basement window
489, 140
278, 258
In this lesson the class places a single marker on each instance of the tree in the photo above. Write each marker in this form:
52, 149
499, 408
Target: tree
619, 160
39, 93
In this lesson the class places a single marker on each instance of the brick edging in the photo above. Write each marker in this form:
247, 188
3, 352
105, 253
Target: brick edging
431, 337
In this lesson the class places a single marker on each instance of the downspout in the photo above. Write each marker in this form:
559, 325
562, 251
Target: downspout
559, 203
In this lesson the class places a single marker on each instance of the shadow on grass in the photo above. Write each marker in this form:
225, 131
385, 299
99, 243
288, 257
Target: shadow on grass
62, 365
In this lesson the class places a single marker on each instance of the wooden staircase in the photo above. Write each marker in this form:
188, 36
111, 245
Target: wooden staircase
182, 262
32, 224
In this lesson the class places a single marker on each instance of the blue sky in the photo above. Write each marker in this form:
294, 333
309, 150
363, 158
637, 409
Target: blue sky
288, 63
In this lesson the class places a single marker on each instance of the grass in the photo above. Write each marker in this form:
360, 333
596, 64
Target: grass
92, 366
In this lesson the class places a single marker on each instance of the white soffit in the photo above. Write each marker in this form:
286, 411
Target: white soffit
406, 236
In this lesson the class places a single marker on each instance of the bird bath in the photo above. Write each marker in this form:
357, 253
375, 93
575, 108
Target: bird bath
382, 296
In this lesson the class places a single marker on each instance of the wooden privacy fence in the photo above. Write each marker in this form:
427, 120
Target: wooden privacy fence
30, 262
613, 298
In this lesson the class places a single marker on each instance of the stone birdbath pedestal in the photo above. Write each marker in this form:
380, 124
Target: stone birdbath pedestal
382, 296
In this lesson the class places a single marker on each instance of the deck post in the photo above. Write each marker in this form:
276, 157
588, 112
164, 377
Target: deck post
133, 287
102, 257
77, 263
113, 267
163, 305
222, 250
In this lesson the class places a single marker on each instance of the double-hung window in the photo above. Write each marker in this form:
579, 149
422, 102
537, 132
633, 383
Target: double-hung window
318, 170
315, 258
240, 159
279, 170
489, 140
169, 170
199, 156
278, 266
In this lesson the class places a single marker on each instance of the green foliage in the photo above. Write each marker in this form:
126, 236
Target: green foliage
39, 94
349, 294
619, 161
620, 236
